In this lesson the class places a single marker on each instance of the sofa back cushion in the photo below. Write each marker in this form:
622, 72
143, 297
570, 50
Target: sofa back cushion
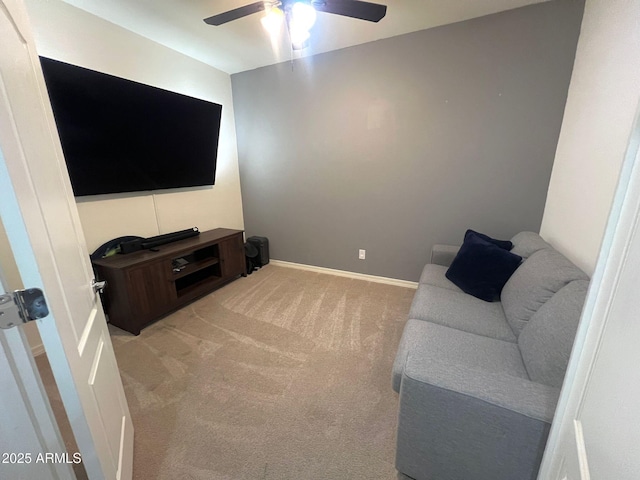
527, 243
546, 341
539, 277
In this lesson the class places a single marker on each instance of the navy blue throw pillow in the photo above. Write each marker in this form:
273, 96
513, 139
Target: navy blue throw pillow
506, 244
481, 268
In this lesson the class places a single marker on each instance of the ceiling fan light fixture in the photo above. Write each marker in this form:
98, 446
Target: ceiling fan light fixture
303, 16
273, 20
298, 38
300, 18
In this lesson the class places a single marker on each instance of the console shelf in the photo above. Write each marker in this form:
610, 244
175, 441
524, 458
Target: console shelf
144, 286
194, 267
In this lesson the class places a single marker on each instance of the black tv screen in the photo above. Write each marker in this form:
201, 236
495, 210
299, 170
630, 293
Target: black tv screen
122, 136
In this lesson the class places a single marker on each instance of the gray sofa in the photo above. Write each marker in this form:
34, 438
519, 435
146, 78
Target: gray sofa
479, 381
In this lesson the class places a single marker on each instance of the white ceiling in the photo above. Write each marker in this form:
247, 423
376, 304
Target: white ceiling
244, 45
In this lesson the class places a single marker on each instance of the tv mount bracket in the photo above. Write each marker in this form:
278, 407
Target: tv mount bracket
22, 306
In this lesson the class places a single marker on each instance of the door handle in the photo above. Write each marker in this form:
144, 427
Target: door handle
98, 286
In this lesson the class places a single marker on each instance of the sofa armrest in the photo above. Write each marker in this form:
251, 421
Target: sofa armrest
459, 422
520, 395
444, 254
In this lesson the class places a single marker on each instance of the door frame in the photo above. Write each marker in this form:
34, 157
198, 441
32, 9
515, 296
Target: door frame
33, 418
620, 242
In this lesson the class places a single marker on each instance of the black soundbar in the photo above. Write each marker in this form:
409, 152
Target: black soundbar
153, 242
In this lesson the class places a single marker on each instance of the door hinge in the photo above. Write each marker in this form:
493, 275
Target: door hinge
22, 306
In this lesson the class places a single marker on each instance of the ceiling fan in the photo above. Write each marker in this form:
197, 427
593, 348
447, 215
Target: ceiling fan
300, 14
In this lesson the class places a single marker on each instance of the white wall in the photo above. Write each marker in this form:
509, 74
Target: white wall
66, 33
601, 106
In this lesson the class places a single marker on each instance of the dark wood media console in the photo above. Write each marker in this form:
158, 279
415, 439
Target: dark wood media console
146, 285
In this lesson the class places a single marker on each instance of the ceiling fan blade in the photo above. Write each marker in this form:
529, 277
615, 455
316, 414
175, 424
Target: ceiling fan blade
235, 14
372, 12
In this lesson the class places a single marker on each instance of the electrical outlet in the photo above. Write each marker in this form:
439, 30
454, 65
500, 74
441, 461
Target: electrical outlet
362, 254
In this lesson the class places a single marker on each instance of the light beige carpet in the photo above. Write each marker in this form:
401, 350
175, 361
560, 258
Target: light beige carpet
285, 374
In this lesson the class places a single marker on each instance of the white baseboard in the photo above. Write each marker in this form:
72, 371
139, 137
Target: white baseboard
343, 273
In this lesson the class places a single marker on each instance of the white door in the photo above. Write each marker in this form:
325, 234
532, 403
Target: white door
596, 432
43, 228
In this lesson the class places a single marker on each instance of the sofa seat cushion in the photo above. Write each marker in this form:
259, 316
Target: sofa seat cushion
433, 274
538, 278
439, 347
461, 311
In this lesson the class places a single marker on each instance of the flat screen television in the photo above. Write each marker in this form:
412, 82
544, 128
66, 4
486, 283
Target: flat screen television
122, 136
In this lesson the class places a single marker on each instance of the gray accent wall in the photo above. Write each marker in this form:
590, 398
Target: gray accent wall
395, 145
